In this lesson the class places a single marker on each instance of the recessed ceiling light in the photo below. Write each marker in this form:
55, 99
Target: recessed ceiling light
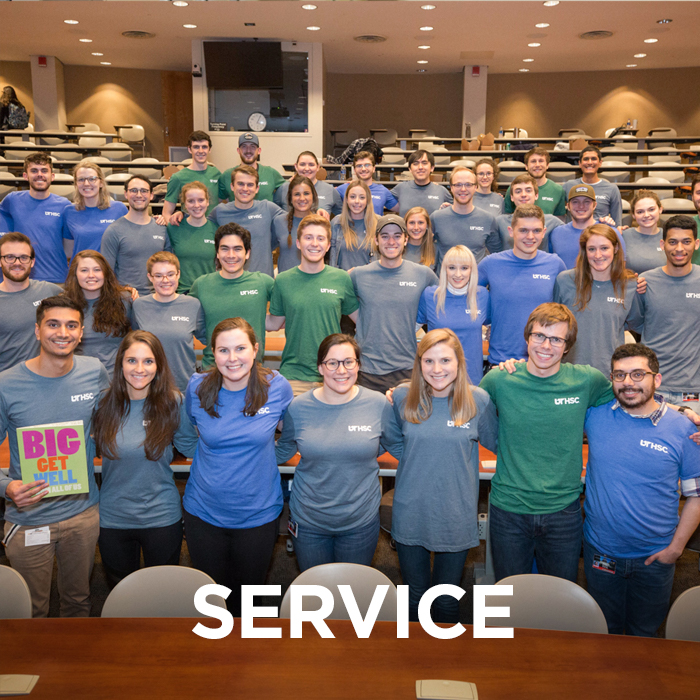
426, 29
542, 25
190, 26
528, 60
180, 3
640, 55
314, 29
650, 41
308, 7
71, 21
664, 21
97, 53
524, 70
421, 61
105, 63
534, 45
86, 41
631, 65
551, 3
427, 7
424, 46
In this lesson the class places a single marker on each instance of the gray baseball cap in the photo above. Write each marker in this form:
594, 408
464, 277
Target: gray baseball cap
248, 138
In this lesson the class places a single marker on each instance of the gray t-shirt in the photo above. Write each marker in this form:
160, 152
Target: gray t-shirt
643, 252
429, 196
28, 399
477, 231
389, 299
18, 318
127, 247
328, 197
335, 483
437, 481
601, 325
137, 493
670, 313
492, 202
608, 199
290, 255
504, 221
346, 258
264, 219
175, 323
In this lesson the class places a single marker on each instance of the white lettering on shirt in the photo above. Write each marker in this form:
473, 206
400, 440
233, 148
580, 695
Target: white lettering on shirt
615, 300
323, 290
107, 221
408, 284
692, 295
476, 228
208, 240
255, 216
360, 428
653, 446
451, 424
433, 196
158, 238
547, 199
213, 182
52, 213
181, 318
249, 292
263, 411
36, 303
541, 277
262, 184
81, 397
567, 400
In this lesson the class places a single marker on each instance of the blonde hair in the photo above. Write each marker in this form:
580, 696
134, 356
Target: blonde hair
458, 254
427, 247
419, 400
349, 235
103, 200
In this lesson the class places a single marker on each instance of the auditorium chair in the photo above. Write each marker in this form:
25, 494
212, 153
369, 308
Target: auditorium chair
15, 600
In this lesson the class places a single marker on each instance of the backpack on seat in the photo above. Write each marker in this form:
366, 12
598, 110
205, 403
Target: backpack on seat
18, 117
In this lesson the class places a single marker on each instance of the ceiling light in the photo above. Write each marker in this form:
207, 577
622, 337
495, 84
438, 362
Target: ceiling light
534, 45
650, 41
640, 55
86, 41
308, 7
105, 63
424, 46
421, 61
314, 29
190, 26
542, 25
528, 60
97, 53
427, 7
180, 3
664, 21
551, 3
426, 29
631, 65
71, 21
524, 70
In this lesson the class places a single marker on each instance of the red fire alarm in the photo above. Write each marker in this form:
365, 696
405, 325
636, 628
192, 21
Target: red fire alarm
476, 71
42, 61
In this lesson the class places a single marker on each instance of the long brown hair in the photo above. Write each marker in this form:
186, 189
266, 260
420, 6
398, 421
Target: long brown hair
419, 400
103, 200
295, 182
161, 410
370, 219
258, 381
108, 315
427, 247
618, 271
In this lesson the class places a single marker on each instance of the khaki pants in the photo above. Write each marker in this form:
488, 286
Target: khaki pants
73, 543
300, 387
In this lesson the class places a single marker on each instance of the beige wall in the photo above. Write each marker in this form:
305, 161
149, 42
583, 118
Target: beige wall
18, 74
543, 103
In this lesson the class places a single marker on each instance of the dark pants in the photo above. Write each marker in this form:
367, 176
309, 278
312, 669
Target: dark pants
121, 549
232, 557
383, 382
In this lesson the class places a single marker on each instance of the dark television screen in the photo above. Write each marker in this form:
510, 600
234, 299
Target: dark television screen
243, 65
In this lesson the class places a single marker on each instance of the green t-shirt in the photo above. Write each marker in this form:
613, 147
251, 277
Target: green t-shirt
696, 254
194, 247
312, 305
270, 180
209, 177
540, 435
551, 199
221, 298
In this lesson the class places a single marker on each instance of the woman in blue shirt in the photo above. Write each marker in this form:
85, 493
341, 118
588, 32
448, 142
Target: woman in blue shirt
233, 497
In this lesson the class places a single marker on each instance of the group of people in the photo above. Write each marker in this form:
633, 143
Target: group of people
100, 306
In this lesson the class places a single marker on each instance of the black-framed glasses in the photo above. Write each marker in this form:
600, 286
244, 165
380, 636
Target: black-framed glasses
138, 190
12, 259
637, 375
349, 363
554, 341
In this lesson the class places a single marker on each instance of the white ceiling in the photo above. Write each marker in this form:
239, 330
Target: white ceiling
492, 33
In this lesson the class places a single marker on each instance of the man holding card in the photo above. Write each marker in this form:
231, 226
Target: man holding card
46, 406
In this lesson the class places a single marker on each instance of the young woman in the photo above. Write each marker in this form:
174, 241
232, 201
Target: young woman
138, 419
600, 292
106, 304
420, 248
486, 196
458, 303
442, 420
352, 233
7, 98
644, 242
334, 504
93, 210
301, 200
175, 318
233, 496
307, 166
193, 239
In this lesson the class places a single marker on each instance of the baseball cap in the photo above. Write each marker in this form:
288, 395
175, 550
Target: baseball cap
582, 191
395, 219
248, 138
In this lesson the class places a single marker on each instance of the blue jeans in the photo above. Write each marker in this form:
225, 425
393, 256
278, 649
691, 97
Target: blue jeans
635, 598
415, 571
554, 540
314, 547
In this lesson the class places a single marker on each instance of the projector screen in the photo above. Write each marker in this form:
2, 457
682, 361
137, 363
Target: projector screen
242, 65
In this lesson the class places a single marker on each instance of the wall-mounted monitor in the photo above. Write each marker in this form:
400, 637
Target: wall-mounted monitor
243, 65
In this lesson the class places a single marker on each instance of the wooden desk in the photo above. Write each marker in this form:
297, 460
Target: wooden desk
161, 658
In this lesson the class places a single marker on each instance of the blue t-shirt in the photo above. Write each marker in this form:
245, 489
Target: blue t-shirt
632, 479
564, 242
234, 481
87, 226
382, 198
42, 221
456, 317
517, 287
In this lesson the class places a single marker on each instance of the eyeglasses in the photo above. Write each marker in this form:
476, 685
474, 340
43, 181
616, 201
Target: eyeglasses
349, 363
89, 180
364, 166
170, 276
637, 375
135, 190
12, 259
463, 185
554, 341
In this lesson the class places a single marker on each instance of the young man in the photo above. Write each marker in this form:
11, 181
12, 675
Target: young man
19, 297
54, 387
39, 215
608, 200
421, 192
130, 241
638, 453
535, 510
307, 166
463, 223
523, 193
249, 152
363, 166
308, 301
695, 196
389, 292
668, 315
581, 205
199, 170
518, 281
233, 291
551, 198
264, 219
